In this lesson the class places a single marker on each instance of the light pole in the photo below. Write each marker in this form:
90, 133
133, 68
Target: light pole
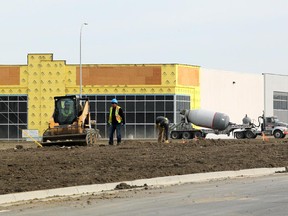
81, 58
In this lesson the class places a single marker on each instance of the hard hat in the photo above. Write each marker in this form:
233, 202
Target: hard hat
114, 100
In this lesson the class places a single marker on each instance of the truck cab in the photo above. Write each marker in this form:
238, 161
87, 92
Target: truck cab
272, 126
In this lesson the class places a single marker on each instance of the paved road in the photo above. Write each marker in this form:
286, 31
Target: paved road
252, 196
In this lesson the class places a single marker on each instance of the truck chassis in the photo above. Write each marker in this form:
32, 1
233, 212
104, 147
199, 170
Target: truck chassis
185, 130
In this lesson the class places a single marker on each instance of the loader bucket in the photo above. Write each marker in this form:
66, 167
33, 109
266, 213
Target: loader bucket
69, 136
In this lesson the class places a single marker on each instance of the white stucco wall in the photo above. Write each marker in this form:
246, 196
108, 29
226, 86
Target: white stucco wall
232, 93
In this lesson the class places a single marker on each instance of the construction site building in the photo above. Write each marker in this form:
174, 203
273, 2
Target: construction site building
144, 91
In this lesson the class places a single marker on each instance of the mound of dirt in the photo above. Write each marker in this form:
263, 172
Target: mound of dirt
27, 168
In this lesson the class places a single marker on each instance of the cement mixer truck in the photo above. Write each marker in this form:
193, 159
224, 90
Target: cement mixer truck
219, 123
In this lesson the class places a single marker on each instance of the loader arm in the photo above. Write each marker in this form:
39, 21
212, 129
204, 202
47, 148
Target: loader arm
85, 116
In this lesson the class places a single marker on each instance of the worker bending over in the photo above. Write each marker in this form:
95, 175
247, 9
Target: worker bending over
162, 124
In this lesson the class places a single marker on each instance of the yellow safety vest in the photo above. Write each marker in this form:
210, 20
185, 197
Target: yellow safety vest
118, 117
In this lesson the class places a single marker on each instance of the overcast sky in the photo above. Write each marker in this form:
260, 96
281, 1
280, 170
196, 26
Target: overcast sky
235, 35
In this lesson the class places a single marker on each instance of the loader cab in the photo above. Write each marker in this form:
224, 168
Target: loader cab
66, 109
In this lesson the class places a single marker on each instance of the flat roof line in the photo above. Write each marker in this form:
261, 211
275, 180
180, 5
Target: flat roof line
274, 74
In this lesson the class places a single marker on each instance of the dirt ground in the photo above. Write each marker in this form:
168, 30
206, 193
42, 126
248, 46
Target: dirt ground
31, 168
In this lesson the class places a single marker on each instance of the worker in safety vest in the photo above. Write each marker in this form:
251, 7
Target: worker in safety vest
162, 124
116, 119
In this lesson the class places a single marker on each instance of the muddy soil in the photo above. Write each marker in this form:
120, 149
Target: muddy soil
31, 168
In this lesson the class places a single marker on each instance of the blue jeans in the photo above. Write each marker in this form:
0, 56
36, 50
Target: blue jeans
114, 127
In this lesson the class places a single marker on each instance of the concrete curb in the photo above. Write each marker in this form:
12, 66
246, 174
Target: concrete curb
159, 181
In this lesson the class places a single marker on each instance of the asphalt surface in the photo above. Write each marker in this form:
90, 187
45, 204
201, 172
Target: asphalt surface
242, 196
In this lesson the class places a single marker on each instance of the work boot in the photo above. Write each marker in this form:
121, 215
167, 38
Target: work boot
166, 141
110, 143
118, 143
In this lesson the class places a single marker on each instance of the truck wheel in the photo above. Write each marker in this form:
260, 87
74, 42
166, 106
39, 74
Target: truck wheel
186, 135
250, 134
175, 135
239, 135
278, 134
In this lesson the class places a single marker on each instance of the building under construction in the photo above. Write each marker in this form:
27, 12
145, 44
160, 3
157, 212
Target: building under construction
144, 91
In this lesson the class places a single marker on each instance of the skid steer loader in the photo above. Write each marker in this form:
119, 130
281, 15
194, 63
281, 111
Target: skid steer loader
70, 123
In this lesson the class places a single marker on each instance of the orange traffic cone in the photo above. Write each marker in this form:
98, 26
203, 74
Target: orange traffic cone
264, 138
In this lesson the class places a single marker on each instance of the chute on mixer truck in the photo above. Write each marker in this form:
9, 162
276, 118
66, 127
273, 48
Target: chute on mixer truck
208, 122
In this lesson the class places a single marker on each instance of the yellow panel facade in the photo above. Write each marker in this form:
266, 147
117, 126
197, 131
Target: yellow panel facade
169, 77
44, 78
193, 92
190, 87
